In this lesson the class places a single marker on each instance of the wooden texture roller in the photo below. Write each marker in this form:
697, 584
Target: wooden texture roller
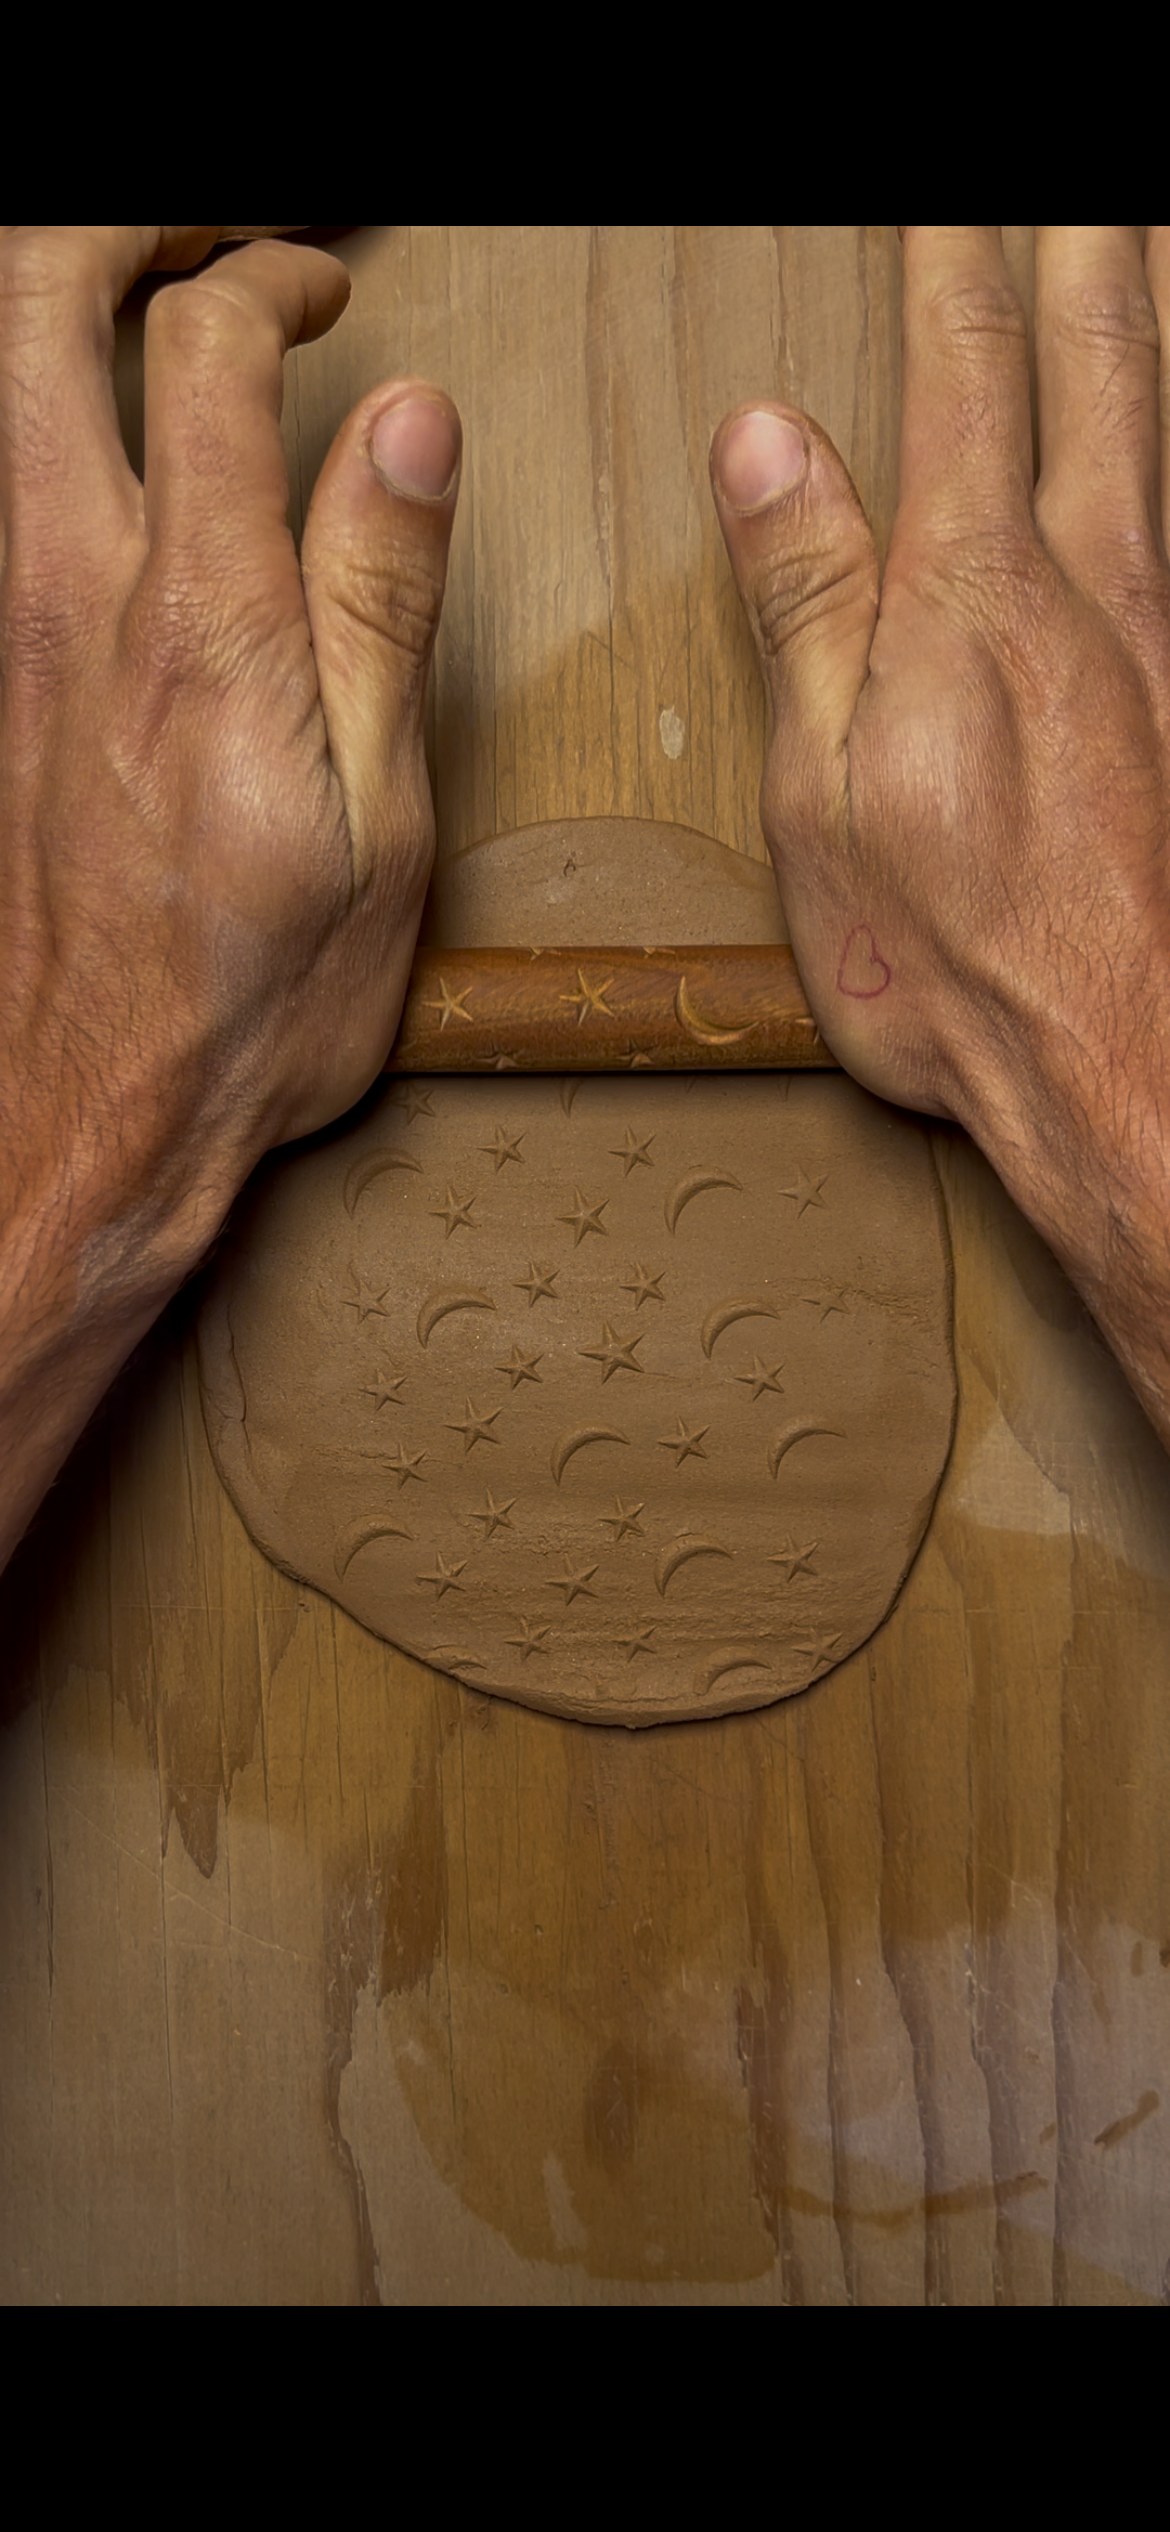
739, 1008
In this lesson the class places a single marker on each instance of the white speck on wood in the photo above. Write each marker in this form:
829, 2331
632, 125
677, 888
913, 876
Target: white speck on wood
671, 733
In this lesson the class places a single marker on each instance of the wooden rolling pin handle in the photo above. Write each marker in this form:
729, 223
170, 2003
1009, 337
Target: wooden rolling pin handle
707, 1009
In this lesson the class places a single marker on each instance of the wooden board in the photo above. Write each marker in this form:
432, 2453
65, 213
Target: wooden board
866, 1998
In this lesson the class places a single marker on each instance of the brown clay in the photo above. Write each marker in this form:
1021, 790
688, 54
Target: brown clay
624, 1397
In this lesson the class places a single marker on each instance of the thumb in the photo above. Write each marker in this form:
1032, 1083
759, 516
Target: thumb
804, 559
374, 561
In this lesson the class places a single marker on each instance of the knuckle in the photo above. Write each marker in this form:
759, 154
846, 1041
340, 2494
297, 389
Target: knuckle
38, 264
807, 585
394, 596
979, 318
1107, 317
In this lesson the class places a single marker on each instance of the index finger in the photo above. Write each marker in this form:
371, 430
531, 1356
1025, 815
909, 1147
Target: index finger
65, 484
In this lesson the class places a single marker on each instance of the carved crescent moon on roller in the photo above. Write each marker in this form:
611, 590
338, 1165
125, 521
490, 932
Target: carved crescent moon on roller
704, 1032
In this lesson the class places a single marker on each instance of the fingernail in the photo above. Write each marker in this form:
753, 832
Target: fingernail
760, 459
415, 448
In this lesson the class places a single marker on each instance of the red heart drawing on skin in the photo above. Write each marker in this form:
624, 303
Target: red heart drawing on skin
863, 973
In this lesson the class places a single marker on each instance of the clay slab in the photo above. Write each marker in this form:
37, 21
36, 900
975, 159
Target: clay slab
623, 1397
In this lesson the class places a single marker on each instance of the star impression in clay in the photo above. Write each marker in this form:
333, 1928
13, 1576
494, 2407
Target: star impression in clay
475, 1427
456, 1212
806, 1191
445, 1577
540, 1284
585, 1217
612, 1354
685, 1444
494, 1515
644, 1286
574, 1584
760, 1378
520, 1366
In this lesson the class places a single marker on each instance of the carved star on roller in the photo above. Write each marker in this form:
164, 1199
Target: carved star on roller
574, 1584
624, 1520
455, 1212
494, 1515
586, 1217
633, 1150
685, 1444
366, 1299
762, 1377
503, 1063
534, 1639
475, 1427
404, 1464
384, 1389
504, 1147
451, 1004
638, 1642
795, 1560
445, 1577
589, 1000
520, 1366
806, 1191
644, 1286
635, 1060
612, 1354
540, 1283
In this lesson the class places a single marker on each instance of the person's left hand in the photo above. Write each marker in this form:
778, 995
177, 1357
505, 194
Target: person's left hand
216, 827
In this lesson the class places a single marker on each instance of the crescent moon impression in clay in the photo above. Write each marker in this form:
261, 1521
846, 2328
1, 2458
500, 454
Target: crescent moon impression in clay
439, 1305
679, 1552
375, 1165
360, 1533
731, 1657
725, 1315
789, 1434
582, 1434
701, 1030
696, 1183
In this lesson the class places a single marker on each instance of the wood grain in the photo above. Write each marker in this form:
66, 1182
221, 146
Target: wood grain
325, 1981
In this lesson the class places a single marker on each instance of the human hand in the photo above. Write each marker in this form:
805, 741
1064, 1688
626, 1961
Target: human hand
216, 827
967, 790
215, 820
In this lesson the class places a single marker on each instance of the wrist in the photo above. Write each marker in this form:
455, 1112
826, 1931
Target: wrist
88, 1259
1073, 1121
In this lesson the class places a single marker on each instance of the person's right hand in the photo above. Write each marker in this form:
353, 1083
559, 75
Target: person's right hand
967, 792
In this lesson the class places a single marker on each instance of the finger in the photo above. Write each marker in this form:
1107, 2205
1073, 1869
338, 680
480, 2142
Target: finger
1098, 499
966, 456
1158, 276
216, 485
65, 484
803, 556
375, 565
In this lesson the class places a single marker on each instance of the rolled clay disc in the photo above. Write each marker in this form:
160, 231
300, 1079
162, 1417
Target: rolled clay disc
623, 1396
